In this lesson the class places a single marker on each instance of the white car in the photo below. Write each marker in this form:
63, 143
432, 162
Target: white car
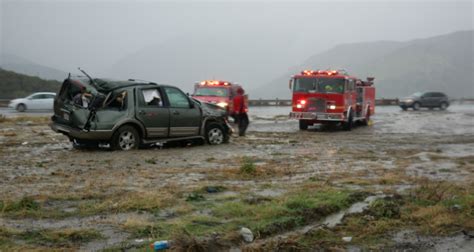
35, 101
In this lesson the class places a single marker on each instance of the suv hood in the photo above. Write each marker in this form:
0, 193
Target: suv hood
209, 109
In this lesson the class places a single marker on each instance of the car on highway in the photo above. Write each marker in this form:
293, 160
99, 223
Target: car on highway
425, 100
129, 114
35, 101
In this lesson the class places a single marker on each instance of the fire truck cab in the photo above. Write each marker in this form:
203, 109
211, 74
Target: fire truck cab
331, 97
218, 92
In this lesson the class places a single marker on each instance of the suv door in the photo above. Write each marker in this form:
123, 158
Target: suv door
428, 100
150, 110
185, 116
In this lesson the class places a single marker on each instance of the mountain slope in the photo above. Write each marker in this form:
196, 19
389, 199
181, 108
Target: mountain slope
14, 85
443, 63
24, 66
185, 60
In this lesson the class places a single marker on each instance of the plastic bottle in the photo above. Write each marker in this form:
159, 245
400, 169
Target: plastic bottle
160, 245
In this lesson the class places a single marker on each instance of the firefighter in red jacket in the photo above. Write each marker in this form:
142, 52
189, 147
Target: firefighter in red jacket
240, 112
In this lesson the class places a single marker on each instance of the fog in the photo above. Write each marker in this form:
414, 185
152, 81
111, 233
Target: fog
96, 35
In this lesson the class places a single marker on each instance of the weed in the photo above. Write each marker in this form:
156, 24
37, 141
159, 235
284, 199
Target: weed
24, 204
213, 189
248, 166
385, 208
194, 196
62, 237
150, 161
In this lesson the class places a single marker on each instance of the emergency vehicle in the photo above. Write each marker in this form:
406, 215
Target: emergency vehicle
331, 97
218, 92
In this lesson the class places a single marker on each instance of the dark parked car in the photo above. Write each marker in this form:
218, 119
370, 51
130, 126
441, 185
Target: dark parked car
426, 100
130, 113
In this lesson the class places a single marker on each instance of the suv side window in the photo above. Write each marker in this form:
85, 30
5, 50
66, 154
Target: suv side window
176, 98
151, 98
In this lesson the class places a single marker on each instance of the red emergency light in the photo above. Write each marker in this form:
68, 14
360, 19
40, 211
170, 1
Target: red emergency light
214, 83
319, 72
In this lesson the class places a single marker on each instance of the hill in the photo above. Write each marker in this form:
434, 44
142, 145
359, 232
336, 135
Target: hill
14, 85
24, 66
442, 63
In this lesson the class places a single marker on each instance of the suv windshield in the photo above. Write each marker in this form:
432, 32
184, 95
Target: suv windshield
214, 91
319, 85
417, 94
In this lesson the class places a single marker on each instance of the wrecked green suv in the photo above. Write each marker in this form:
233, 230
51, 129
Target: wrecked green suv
128, 114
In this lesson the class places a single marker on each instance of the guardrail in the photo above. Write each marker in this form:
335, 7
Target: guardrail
4, 102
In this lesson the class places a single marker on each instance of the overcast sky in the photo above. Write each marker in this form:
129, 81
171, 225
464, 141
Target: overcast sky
97, 34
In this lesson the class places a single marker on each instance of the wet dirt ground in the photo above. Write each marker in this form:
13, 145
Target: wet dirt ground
398, 148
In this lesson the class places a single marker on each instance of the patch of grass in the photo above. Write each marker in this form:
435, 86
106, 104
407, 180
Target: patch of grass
48, 237
248, 166
213, 189
63, 237
144, 228
150, 201
431, 207
194, 196
385, 208
3, 118
24, 204
445, 170
150, 161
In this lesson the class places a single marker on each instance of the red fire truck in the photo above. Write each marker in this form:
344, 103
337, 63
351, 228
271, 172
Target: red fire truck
217, 92
331, 97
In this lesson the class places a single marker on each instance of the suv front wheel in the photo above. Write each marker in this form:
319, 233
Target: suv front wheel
443, 106
215, 135
125, 138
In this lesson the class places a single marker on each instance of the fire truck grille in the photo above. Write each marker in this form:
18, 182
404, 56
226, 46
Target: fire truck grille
317, 105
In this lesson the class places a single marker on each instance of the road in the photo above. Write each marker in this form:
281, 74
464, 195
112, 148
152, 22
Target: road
12, 113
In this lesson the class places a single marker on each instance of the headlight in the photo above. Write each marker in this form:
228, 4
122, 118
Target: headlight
222, 104
409, 101
332, 106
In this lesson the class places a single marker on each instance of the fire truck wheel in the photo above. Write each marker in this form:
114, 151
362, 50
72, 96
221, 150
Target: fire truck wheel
416, 106
365, 122
303, 125
350, 122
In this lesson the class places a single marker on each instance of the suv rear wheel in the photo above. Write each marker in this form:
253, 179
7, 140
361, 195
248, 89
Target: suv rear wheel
125, 138
215, 135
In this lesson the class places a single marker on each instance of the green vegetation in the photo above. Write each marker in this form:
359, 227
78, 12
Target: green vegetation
433, 208
248, 166
266, 218
15, 85
63, 237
